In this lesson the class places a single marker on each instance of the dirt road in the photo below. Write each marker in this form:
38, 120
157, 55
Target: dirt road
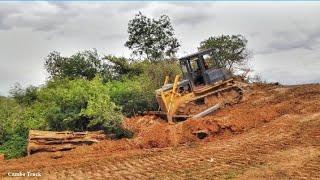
275, 136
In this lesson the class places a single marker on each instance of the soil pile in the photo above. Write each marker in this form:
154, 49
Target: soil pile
261, 104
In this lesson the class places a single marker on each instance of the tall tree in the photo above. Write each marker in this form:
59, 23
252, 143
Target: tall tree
153, 38
230, 52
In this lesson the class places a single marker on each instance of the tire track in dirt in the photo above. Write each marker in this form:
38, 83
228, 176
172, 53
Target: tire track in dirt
225, 158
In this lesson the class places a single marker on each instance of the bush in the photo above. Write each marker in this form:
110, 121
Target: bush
14, 147
10, 113
79, 105
157, 71
76, 105
137, 93
24, 96
13, 133
134, 94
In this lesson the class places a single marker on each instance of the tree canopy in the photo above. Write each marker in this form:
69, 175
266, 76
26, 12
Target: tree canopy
121, 66
229, 51
153, 38
86, 64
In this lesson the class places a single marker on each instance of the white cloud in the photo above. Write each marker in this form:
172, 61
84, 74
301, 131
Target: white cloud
284, 37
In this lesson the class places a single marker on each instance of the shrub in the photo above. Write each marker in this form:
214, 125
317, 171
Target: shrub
24, 96
14, 146
79, 105
63, 104
157, 71
134, 94
137, 93
10, 113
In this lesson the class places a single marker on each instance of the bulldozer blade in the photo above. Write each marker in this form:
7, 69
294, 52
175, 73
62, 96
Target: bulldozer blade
164, 115
177, 118
156, 113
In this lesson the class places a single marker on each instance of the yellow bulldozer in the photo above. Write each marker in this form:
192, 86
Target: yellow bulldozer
203, 89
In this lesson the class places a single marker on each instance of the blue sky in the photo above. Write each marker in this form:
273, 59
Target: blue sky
284, 37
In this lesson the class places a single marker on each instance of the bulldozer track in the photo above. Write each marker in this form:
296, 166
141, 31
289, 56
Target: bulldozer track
191, 107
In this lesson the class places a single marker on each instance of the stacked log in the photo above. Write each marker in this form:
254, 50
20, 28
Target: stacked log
52, 141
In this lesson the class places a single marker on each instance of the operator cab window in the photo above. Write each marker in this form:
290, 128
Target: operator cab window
197, 74
184, 68
194, 65
208, 62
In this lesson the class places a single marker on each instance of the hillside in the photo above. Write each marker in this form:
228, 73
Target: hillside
273, 133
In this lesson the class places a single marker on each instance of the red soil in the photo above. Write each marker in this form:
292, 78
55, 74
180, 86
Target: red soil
261, 104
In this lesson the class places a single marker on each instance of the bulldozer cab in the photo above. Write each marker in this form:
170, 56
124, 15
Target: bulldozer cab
200, 70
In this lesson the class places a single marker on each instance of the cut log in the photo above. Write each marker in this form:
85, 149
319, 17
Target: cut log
52, 141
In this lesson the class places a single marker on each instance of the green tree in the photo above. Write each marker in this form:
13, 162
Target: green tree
230, 52
121, 66
153, 38
86, 64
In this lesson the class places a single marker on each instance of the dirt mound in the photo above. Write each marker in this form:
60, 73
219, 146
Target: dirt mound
155, 133
262, 103
139, 123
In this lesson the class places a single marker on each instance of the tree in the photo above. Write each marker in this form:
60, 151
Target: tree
85, 65
119, 67
230, 52
24, 96
153, 38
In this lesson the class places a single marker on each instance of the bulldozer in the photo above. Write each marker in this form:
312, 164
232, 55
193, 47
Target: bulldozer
203, 89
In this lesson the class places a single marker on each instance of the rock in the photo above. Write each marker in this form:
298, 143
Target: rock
201, 134
56, 155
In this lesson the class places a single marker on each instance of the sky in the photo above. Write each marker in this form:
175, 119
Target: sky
283, 37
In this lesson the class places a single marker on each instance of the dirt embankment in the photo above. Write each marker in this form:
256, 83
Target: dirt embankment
261, 104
